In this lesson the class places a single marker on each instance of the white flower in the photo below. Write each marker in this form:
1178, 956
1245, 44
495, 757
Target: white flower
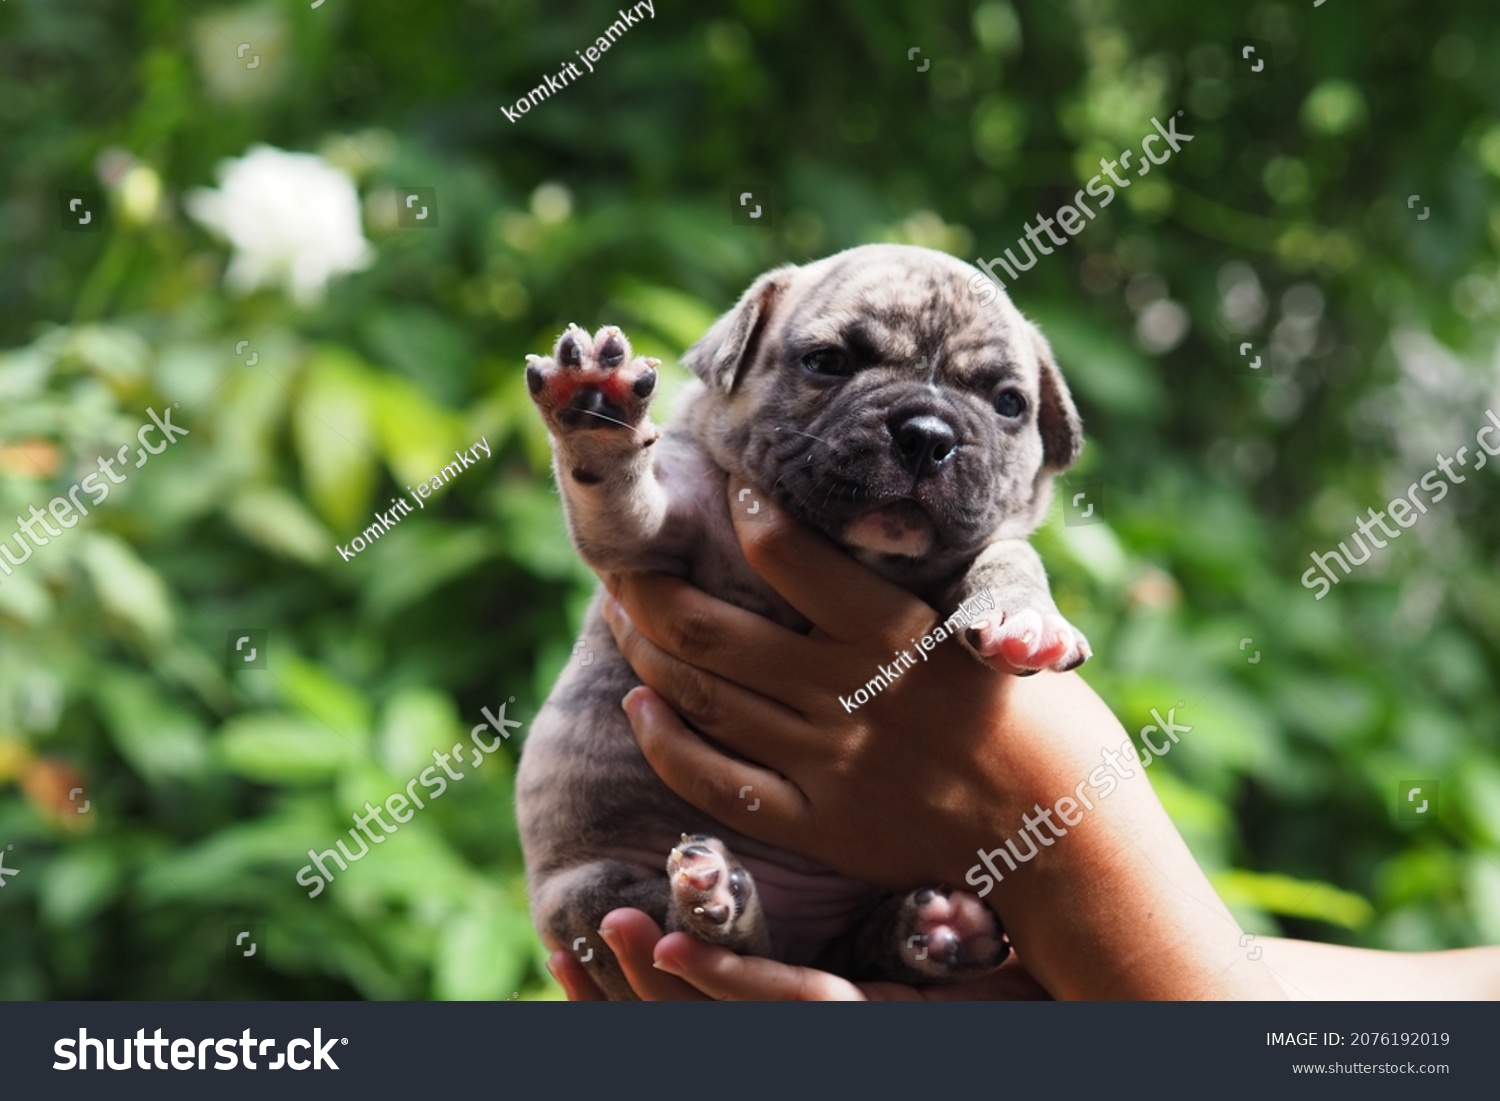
292, 218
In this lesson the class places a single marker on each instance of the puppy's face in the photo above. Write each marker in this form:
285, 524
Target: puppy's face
881, 399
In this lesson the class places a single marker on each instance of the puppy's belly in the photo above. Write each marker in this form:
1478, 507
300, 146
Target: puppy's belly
806, 907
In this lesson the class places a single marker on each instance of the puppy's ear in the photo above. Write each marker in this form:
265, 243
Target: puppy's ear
722, 354
1062, 430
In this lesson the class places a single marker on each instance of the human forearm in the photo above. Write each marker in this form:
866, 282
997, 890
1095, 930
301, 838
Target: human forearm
1117, 907
899, 790
1330, 972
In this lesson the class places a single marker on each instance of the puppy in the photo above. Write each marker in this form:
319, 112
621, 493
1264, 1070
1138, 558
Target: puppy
876, 397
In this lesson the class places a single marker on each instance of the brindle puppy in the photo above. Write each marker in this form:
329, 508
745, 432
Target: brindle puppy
876, 396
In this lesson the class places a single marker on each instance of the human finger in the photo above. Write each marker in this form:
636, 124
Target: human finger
841, 597
754, 800
725, 976
725, 639
632, 936
574, 980
742, 720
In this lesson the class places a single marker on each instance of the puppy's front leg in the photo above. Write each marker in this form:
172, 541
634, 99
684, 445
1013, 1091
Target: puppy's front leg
595, 399
1006, 597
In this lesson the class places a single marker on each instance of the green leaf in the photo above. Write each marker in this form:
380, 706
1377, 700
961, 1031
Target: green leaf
285, 749
1099, 366
282, 524
318, 693
481, 955
421, 559
334, 438
235, 863
417, 436
536, 533
126, 586
1484, 895
416, 721
78, 883
116, 355
1479, 783
160, 740
1301, 898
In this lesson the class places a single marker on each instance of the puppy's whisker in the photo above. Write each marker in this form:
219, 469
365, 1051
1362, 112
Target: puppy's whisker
798, 431
813, 489
601, 416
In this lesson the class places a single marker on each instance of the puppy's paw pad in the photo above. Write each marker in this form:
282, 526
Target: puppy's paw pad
710, 891
591, 382
1029, 640
950, 934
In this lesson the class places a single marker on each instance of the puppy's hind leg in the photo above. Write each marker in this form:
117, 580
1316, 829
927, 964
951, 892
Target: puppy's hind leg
569, 906
594, 398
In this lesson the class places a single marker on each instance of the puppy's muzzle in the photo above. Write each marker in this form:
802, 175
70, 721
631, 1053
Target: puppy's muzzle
924, 442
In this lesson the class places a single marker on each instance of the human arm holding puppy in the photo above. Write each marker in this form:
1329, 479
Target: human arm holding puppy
907, 792
908, 788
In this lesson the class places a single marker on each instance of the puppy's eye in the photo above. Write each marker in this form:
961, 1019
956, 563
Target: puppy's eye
827, 363
736, 883
1010, 404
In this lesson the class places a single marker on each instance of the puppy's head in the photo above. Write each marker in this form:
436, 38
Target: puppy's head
887, 397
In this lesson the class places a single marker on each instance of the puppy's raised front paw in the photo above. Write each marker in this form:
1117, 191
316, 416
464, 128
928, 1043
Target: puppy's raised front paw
713, 898
591, 382
1028, 640
950, 934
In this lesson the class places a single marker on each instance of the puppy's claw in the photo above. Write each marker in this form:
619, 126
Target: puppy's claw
713, 897
591, 384
950, 934
1027, 641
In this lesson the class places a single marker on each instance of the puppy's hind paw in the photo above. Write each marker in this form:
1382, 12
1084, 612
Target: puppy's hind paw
1028, 640
591, 383
949, 935
713, 898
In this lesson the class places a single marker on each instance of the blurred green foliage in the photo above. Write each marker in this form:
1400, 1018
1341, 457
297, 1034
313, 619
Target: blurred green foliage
1285, 223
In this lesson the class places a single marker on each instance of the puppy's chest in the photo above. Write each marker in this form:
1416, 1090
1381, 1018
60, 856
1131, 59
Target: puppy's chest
702, 531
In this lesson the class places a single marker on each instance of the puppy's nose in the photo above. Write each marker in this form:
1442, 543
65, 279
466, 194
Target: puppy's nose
925, 443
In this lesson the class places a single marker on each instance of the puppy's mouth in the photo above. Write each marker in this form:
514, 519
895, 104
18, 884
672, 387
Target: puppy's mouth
901, 527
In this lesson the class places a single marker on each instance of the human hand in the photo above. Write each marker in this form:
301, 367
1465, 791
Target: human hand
975, 750
675, 967
949, 761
